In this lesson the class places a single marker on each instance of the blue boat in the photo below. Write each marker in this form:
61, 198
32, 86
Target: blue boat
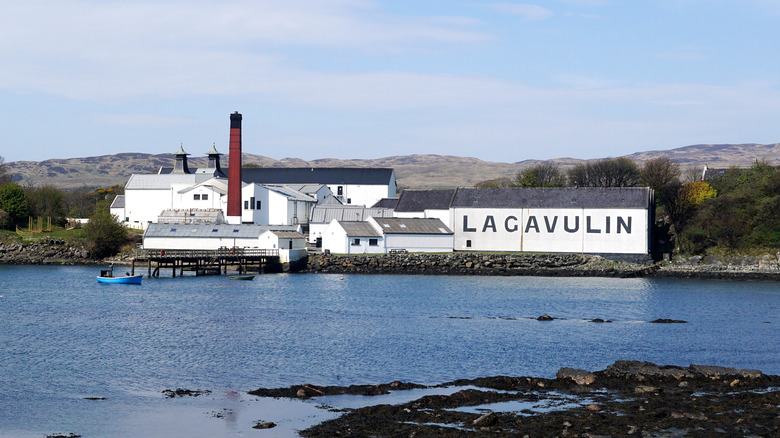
107, 276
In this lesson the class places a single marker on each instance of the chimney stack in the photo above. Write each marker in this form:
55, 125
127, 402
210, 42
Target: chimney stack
234, 171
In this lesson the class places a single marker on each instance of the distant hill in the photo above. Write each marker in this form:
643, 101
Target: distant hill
412, 171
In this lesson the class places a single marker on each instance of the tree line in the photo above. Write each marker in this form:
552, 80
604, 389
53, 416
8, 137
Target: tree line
736, 210
103, 234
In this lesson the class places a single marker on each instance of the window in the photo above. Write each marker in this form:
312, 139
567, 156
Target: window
246, 205
373, 242
252, 202
349, 200
259, 204
468, 244
196, 197
355, 242
340, 191
204, 197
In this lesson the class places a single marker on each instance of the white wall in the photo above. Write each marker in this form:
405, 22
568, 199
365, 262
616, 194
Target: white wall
334, 238
144, 206
623, 231
420, 242
199, 242
367, 195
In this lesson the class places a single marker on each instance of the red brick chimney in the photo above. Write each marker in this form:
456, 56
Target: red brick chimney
234, 171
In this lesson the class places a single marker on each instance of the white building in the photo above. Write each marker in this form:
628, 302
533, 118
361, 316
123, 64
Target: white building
322, 215
383, 235
146, 196
582, 220
287, 239
352, 237
351, 185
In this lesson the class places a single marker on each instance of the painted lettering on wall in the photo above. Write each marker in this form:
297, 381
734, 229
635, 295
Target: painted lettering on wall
571, 224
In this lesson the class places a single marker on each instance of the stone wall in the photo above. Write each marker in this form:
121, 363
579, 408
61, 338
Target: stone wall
462, 263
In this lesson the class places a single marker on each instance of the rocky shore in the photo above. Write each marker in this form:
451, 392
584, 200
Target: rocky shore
44, 252
765, 267
628, 398
575, 265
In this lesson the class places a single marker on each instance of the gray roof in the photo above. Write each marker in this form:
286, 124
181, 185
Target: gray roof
321, 175
118, 202
324, 214
139, 181
289, 192
420, 200
630, 197
242, 231
331, 200
386, 203
288, 234
359, 229
191, 215
399, 225
309, 189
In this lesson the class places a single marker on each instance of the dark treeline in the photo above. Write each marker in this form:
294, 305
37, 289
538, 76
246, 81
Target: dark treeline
736, 211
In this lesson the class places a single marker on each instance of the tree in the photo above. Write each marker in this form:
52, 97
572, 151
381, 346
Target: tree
5, 178
46, 201
104, 235
608, 172
542, 175
659, 173
14, 203
682, 207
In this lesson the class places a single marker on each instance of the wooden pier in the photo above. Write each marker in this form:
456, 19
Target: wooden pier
204, 261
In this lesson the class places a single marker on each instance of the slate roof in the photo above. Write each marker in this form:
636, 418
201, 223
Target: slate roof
321, 175
359, 229
208, 230
118, 202
324, 214
599, 197
420, 200
288, 234
399, 225
386, 203
191, 215
289, 192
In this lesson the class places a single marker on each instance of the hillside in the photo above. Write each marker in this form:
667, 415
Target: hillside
412, 171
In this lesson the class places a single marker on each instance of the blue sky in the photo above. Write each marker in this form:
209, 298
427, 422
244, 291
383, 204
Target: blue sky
497, 80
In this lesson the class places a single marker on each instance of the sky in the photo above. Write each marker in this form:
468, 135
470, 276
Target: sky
497, 80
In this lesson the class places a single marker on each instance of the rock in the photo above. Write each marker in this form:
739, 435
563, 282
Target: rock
668, 321
580, 377
302, 393
545, 317
644, 389
486, 420
264, 425
593, 408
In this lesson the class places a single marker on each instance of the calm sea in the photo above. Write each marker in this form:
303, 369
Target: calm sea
65, 338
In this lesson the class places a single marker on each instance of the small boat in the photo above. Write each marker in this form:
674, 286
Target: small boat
242, 277
107, 276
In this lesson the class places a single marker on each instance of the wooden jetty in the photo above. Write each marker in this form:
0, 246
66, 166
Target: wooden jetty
205, 261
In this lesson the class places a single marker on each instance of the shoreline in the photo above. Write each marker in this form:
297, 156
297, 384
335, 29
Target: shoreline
759, 268
628, 398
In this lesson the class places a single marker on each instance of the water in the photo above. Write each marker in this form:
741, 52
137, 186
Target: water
63, 338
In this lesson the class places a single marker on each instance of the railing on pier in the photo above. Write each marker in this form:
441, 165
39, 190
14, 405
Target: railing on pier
205, 261
204, 254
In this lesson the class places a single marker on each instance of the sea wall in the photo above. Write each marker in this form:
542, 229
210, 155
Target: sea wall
467, 263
